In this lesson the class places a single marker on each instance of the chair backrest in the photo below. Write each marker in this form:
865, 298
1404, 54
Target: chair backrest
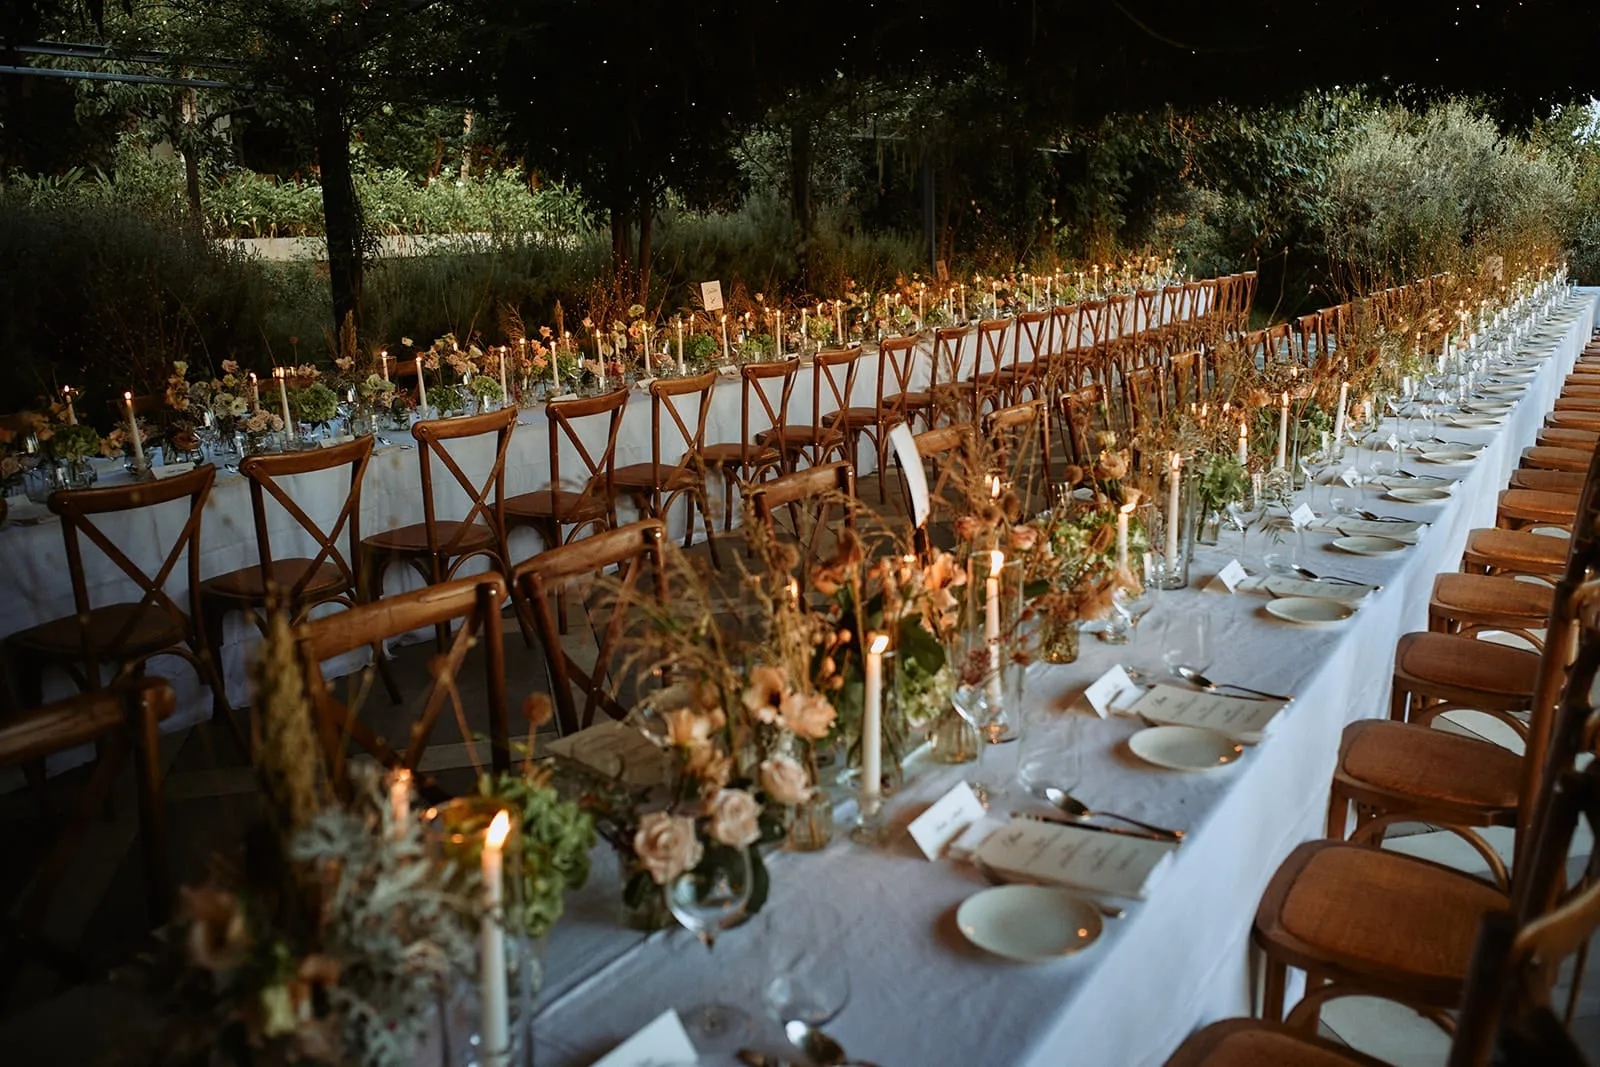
598, 469
665, 396
814, 493
1008, 428
1146, 310
1092, 324
837, 369
81, 508
1064, 328
475, 602
1077, 414
757, 378
486, 494
897, 358
991, 345
628, 548
1032, 338
266, 472
942, 450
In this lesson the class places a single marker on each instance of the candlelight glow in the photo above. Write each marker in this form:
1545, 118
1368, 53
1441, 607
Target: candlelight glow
499, 830
880, 644
997, 560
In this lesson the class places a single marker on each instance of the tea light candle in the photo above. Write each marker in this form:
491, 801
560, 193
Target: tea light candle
991, 624
492, 947
134, 436
872, 723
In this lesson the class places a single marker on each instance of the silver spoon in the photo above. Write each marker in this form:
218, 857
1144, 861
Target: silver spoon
1070, 804
1200, 681
819, 1048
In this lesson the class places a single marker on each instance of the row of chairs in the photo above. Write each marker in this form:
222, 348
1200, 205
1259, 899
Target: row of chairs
1359, 919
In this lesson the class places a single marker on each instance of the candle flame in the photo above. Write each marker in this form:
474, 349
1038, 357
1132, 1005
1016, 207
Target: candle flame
997, 560
880, 644
128, 397
1126, 509
499, 830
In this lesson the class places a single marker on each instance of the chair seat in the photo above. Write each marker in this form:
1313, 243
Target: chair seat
413, 539
1577, 440
909, 401
794, 438
561, 505
1255, 1043
1518, 551
1440, 768
1484, 597
1400, 926
249, 584
738, 454
148, 627
1465, 670
1547, 481
1535, 505
647, 476
861, 418
1554, 458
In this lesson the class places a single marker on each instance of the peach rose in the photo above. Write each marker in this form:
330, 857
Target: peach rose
807, 715
1023, 538
785, 781
667, 845
734, 814
687, 728
764, 695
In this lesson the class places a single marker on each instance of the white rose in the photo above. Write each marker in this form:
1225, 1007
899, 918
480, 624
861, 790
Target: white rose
785, 781
733, 818
666, 845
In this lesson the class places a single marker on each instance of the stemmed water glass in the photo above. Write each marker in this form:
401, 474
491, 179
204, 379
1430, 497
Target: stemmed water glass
988, 696
707, 900
1246, 511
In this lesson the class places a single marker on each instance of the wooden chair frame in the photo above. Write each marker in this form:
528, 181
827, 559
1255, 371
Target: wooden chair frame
744, 462
687, 475
816, 485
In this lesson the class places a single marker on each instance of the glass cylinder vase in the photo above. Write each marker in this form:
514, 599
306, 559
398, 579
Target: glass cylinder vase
1176, 521
1058, 641
811, 823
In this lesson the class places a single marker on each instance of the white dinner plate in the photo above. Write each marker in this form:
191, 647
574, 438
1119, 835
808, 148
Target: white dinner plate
1503, 390
1473, 422
1417, 494
1366, 545
1185, 748
1489, 407
1029, 923
1447, 455
1310, 610
1429, 481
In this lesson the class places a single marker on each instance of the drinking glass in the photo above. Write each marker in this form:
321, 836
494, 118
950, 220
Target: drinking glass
1248, 509
806, 980
1186, 641
988, 696
707, 900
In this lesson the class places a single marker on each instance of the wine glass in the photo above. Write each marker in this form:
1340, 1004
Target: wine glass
1129, 605
985, 691
707, 900
1246, 511
1186, 641
806, 981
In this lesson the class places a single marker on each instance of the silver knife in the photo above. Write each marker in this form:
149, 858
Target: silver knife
1067, 820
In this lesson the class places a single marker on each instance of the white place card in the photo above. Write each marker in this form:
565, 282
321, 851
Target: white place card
1391, 442
1117, 865
1350, 477
943, 822
331, 442
1112, 691
1232, 576
663, 1041
711, 295
1302, 516
643, 384
564, 396
910, 460
170, 470
1245, 719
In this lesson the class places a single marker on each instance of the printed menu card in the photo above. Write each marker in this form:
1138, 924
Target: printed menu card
1244, 719
1117, 865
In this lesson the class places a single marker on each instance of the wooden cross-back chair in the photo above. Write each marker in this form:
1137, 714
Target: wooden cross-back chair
942, 451
745, 461
896, 364
1245, 300
436, 547
560, 512
1078, 410
914, 405
124, 634
121, 720
296, 584
655, 484
630, 549
473, 603
1030, 356
1008, 430
1186, 378
988, 379
949, 387
833, 382
810, 497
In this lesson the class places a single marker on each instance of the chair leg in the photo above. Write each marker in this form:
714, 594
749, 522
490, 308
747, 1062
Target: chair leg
1275, 979
152, 828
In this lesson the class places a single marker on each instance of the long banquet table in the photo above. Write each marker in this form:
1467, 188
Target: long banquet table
919, 993
34, 586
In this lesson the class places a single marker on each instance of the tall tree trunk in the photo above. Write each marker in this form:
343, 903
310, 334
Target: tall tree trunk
341, 210
647, 218
189, 147
800, 157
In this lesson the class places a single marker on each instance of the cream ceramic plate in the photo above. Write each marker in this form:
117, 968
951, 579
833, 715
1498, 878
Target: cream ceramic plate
1311, 610
1391, 481
1028, 923
1504, 390
1447, 455
1417, 494
1489, 407
1473, 422
1185, 748
1364, 545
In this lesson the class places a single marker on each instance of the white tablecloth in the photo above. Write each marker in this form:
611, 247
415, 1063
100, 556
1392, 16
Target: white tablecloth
919, 993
